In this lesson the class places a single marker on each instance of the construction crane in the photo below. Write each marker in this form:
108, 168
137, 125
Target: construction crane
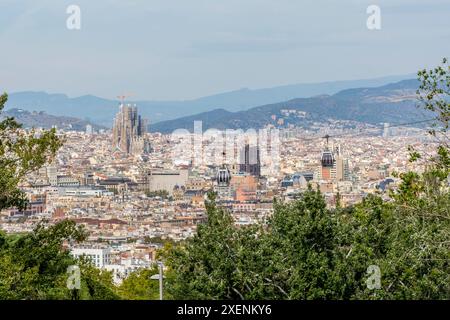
123, 97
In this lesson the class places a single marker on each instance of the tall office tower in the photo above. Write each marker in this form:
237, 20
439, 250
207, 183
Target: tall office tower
342, 169
328, 167
334, 166
128, 130
250, 160
342, 172
386, 130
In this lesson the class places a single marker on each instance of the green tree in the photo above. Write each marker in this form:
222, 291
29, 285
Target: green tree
213, 264
307, 251
139, 285
302, 235
159, 193
34, 265
434, 96
434, 93
21, 152
96, 284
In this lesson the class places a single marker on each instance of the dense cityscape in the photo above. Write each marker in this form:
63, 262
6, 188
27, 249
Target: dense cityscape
133, 193
236, 159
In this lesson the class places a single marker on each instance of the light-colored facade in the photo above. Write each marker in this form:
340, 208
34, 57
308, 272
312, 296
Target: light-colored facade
166, 180
98, 256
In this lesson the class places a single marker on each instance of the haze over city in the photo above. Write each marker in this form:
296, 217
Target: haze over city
176, 50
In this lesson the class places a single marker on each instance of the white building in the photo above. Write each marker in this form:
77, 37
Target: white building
98, 256
89, 129
84, 192
125, 268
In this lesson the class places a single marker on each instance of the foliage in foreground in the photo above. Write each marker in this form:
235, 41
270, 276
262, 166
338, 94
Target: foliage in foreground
34, 266
21, 152
309, 252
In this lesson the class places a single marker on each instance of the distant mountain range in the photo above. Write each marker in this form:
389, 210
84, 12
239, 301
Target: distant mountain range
102, 111
393, 103
43, 120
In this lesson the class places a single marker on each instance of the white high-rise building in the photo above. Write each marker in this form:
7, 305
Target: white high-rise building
89, 129
386, 130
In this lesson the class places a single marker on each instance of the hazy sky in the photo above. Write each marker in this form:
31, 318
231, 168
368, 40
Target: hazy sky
181, 49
